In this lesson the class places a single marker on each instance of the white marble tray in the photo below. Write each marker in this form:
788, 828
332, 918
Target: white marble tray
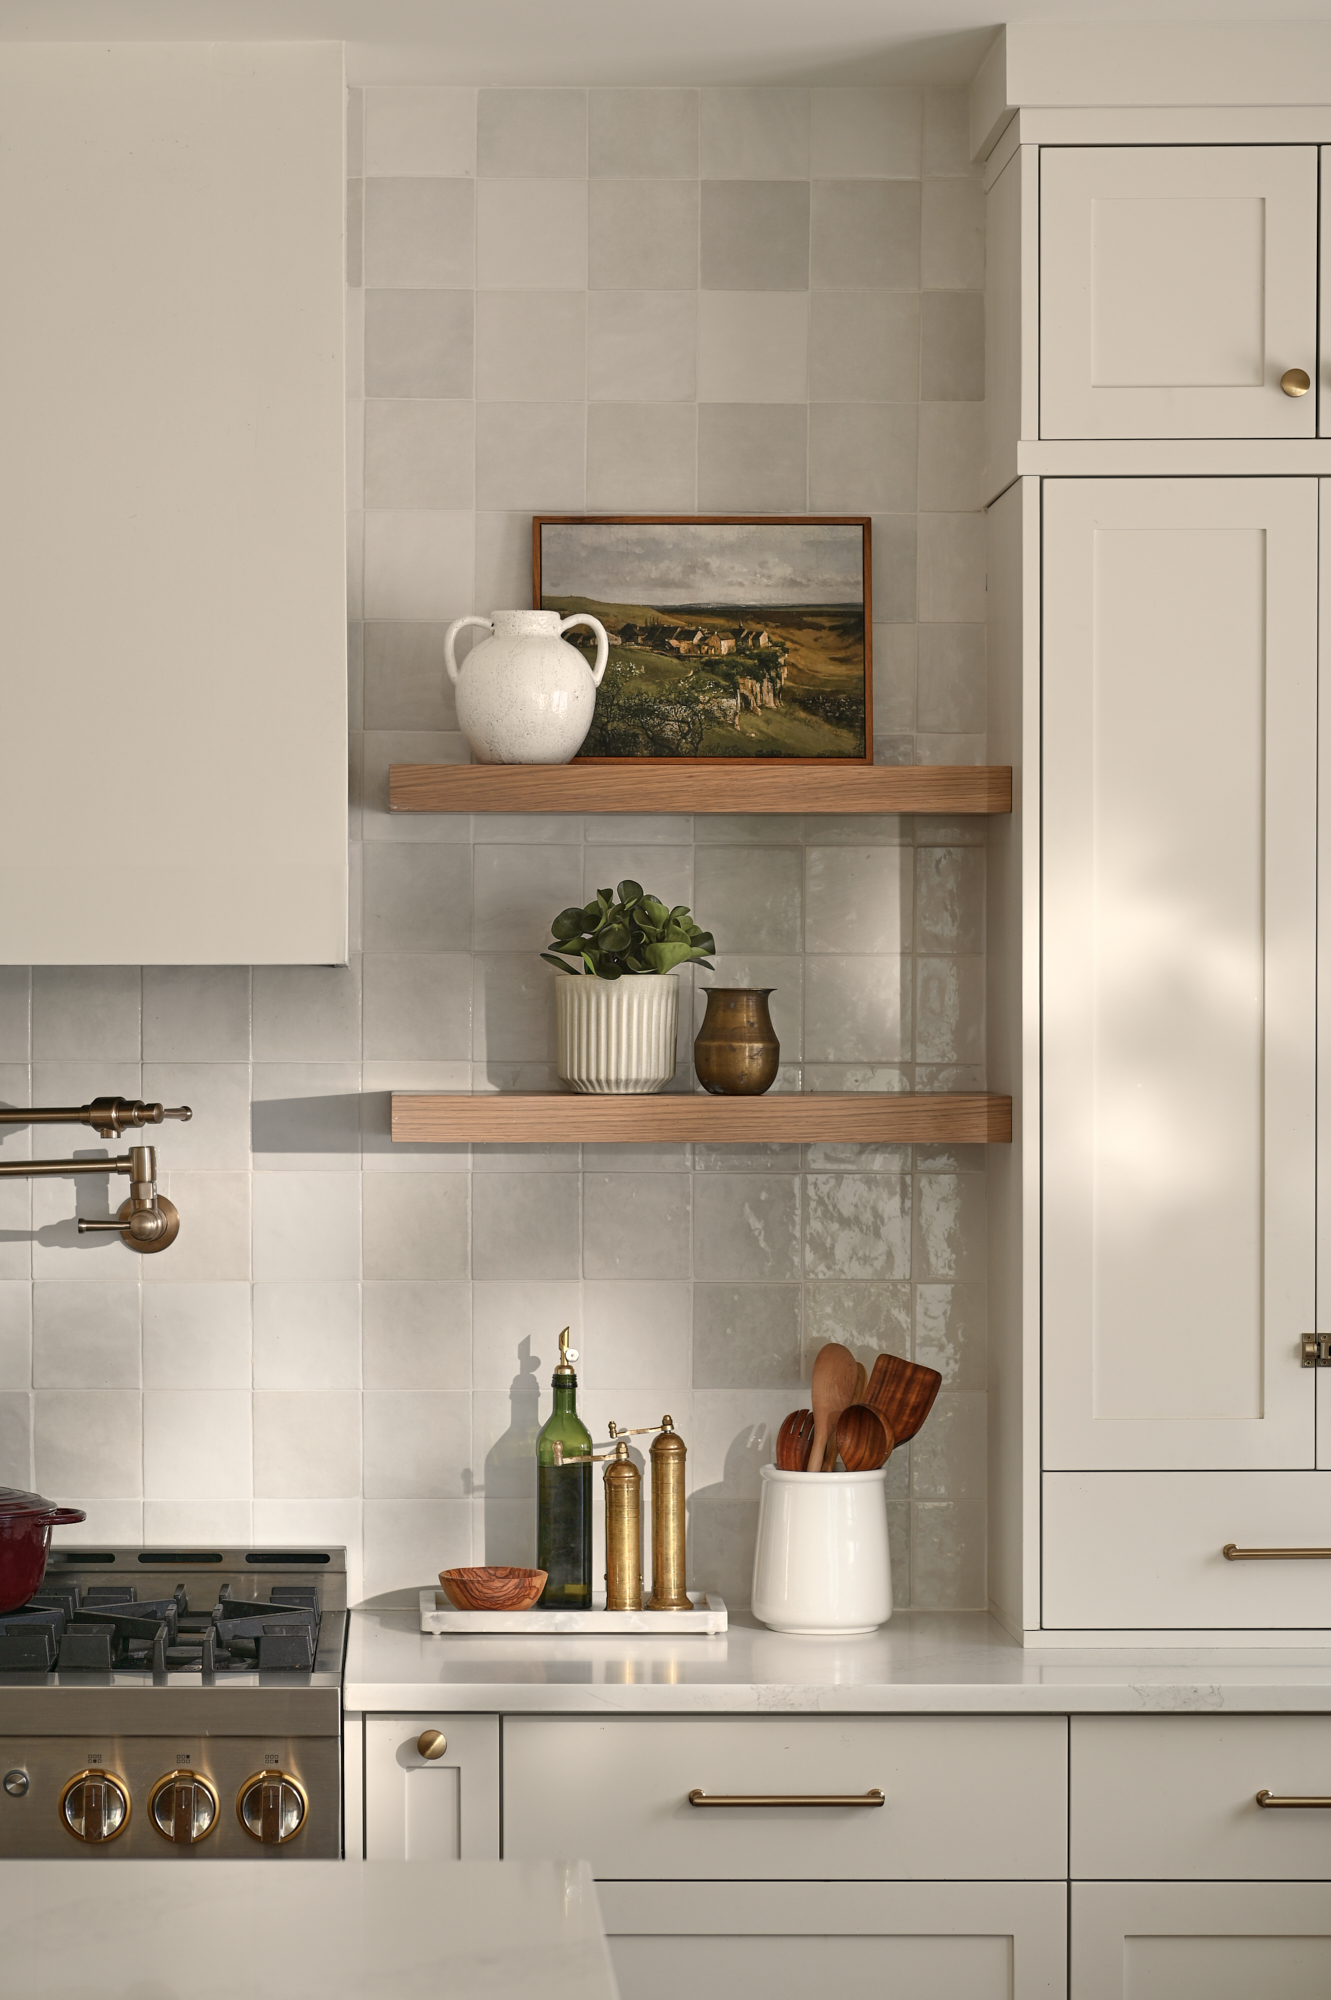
438, 1615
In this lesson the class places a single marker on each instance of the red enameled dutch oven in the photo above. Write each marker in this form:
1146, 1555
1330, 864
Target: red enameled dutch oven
26, 1521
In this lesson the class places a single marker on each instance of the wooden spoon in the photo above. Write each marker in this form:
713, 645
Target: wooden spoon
832, 1388
863, 1439
793, 1441
903, 1394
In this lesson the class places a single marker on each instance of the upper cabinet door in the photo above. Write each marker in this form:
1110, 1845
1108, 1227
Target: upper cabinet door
172, 518
1178, 285
1179, 979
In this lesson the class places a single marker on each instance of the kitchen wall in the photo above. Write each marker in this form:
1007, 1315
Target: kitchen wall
726, 300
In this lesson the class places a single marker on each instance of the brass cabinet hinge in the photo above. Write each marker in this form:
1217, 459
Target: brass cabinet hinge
1317, 1350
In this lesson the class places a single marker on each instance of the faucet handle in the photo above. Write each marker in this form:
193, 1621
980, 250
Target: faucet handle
113, 1115
147, 1221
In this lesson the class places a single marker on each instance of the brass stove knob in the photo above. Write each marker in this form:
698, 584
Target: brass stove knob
94, 1806
272, 1806
183, 1807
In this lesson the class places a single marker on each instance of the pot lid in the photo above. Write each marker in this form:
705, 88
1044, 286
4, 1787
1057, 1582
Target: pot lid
13, 1500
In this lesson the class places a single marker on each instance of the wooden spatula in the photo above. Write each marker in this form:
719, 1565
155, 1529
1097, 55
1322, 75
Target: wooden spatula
903, 1394
832, 1388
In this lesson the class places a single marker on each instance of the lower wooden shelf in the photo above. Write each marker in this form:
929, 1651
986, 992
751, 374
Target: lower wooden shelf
646, 785
861, 1117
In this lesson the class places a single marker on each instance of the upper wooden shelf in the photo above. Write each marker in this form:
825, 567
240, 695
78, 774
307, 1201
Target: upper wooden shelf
641, 787
860, 1117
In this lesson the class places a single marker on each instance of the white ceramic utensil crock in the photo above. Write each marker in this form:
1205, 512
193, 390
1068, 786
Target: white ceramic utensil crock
822, 1565
617, 1035
524, 695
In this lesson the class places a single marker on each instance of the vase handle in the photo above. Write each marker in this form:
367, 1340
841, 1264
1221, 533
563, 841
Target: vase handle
602, 642
450, 658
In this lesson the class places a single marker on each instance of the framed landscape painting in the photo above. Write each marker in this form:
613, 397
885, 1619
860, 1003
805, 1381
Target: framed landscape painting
731, 637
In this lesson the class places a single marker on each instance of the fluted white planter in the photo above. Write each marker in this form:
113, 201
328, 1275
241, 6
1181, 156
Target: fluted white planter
617, 1035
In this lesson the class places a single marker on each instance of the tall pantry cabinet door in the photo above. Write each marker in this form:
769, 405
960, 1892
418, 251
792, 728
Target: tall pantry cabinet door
1179, 923
1178, 285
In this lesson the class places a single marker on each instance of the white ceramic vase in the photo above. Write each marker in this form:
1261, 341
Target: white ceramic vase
822, 1566
617, 1036
524, 695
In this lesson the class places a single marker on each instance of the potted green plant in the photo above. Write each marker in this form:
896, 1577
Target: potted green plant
618, 1013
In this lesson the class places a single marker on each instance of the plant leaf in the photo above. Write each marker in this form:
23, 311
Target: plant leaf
629, 892
557, 963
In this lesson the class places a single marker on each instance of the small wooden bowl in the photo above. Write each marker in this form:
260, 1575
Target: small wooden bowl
492, 1589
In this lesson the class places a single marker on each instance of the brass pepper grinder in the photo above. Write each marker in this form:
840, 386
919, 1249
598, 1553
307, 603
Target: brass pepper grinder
668, 1455
623, 1521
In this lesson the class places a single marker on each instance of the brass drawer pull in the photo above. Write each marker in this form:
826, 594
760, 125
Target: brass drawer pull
873, 1798
1269, 1799
1233, 1555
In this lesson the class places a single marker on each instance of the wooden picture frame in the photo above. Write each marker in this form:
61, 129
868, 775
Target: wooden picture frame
795, 669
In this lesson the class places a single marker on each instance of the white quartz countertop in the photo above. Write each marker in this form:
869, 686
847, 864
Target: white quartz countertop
303, 1930
920, 1663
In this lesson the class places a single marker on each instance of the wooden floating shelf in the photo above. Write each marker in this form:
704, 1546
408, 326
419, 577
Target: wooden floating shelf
861, 1117
660, 787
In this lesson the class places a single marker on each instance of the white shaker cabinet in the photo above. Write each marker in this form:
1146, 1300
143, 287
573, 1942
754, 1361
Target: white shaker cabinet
1180, 893
427, 1803
1214, 1940
1178, 284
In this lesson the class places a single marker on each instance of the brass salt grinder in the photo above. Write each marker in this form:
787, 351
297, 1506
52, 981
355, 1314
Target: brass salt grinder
623, 1518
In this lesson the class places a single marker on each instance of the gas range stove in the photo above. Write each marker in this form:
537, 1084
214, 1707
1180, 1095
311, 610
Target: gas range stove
158, 1703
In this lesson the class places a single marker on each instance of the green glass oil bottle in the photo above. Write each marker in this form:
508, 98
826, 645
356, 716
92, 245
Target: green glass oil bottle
564, 1496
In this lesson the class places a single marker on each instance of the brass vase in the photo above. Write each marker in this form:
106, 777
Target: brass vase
736, 1053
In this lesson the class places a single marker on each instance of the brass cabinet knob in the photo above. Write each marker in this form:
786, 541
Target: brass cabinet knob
271, 1807
432, 1743
94, 1807
183, 1808
1296, 382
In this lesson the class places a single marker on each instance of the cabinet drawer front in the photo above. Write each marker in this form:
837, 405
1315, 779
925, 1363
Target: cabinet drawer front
1223, 1940
1143, 1551
1176, 1795
964, 1796
943, 1940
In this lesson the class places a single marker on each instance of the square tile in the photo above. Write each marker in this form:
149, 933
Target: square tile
759, 133
949, 899
862, 456
751, 899
642, 455
755, 236
519, 890
15, 1010
513, 1009
637, 1334
515, 1333
531, 235
872, 132
952, 678
746, 1336
531, 347
642, 347
748, 1227
642, 235
215, 1228
952, 347
866, 233
857, 1009
948, 1554
306, 1116
947, 138
408, 1542
418, 566
380, 749
895, 568
951, 456
419, 232
406, 686
951, 1333
418, 343
15, 1335
419, 453
870, 1319
306, 1013
864, 347
952, 236
858, 899
949, 1010
857, 1226
89, 1440
418, 1006
530, 133
753, 347
196, 1336
416, 1334
636, 1225
307, 1336
416, 1225
196, 1444
894, 676
503, 560
307, 1444
526, 1226
417, 898
196, 1013
952, 568
306, 1225
218, 1135
417, 1444
949, 1220
420, 129
86, 1336
644, 134
530, 455
86, 1012
752, 457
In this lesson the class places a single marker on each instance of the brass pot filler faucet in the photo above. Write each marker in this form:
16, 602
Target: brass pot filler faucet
147, 1221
